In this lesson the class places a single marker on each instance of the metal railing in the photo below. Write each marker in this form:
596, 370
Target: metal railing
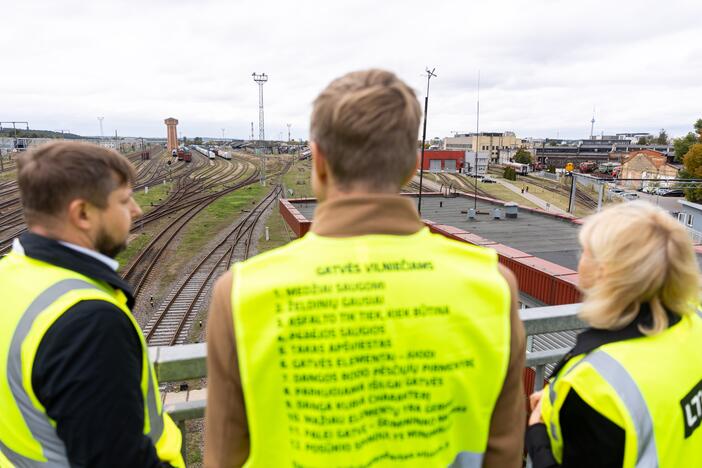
187, 362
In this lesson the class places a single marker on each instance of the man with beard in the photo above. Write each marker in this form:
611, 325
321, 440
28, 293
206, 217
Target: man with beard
76, 384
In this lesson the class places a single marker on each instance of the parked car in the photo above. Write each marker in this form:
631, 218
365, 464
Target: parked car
630, 195
489, 180
671, 192
616, 190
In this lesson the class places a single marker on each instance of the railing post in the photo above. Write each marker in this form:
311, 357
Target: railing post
539, 378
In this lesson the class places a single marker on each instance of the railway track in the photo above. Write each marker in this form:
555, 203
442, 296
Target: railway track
580, 197
458, 182
181, 211
176, 314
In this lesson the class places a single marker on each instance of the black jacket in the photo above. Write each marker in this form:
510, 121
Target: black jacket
87, 370
589, 438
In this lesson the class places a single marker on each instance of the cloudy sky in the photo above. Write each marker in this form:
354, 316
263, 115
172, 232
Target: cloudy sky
544, 64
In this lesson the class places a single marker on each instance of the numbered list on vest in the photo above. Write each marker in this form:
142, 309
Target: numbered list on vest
355, 381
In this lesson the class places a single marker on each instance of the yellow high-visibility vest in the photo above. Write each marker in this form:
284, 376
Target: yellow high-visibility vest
34, 295
649, 386
375, 350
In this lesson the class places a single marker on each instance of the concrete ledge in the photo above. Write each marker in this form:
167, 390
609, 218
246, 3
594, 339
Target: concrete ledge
540, 358
182, 362
186, 410
538, 320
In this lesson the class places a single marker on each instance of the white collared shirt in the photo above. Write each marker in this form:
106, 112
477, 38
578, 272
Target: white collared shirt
110, 262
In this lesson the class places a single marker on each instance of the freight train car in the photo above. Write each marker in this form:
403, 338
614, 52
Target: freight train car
184, 154
205, 152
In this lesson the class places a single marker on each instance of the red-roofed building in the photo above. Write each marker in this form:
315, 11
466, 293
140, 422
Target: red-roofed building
647, 164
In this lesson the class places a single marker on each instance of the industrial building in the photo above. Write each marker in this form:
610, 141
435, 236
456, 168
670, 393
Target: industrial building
492, 142
598, 150
444, 161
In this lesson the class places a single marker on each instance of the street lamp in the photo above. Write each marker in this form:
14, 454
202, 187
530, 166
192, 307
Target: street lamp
430, 74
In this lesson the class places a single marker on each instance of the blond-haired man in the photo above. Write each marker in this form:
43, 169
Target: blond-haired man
370, 341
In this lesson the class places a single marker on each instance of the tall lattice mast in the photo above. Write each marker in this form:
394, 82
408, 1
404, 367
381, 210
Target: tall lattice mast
260, 79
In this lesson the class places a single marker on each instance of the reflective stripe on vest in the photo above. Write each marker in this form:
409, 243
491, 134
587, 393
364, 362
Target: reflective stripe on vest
648, 386
37, 421
468, 460
620, 380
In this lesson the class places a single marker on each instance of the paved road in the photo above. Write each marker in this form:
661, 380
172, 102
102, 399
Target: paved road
667, 203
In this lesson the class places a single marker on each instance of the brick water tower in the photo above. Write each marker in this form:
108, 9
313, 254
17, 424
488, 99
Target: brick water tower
172, 133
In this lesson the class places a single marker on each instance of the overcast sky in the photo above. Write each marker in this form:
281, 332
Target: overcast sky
544, 64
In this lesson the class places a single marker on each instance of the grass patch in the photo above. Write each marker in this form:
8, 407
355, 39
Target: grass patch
209, 222
497, 191
501, 192
8, 175
194, 442
136, 244
278, 230
298, 179
554, 198
157, 195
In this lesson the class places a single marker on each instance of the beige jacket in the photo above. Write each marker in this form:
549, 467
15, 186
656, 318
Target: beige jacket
226, 429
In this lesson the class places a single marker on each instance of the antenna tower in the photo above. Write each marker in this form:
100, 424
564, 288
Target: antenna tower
252, 135
289, 125
592, 125
100, 119
260, 79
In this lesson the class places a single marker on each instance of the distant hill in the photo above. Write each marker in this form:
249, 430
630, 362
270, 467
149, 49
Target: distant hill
10, 132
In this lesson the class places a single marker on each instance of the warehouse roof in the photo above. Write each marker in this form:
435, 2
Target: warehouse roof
550, 237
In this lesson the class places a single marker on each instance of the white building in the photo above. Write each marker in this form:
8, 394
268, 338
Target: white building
492, 142
482, 162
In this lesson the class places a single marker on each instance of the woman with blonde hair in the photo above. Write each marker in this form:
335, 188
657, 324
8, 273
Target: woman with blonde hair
629, 393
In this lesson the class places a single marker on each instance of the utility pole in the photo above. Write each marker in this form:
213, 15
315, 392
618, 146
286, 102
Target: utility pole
289, 125
100, 119
223, 135
260, 79
252, 134
430, 74
262, 179
477, 141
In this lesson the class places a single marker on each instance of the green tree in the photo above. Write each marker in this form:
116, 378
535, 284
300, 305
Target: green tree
683, 144
510, 173
642, 141
693, 170
698, 128
197, 141
662, 137
522, 156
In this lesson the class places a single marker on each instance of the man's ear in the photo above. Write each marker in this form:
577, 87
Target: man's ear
413, 172
79, 214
